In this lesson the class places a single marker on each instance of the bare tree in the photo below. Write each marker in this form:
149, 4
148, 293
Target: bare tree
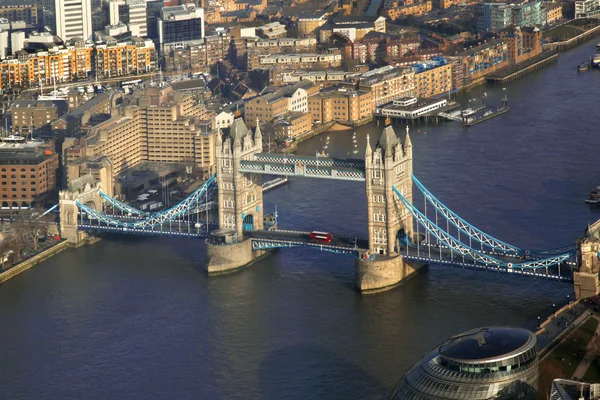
34, 226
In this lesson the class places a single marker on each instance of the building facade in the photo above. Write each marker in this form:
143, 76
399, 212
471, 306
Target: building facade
240, 194
180, 24
73, 19
388, 165
480, 364
27, 173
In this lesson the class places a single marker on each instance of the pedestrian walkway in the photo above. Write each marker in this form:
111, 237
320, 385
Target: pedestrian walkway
587, 359
559, 323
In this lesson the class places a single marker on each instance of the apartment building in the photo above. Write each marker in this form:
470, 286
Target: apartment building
523, 43
309, 21
27, 173
586, 8
484, 59
293, 123
199, 56
276, 102
341, 105
497, 16
27, 115
20, 10
333, 59
73, 19
551, 13
118, 58
387, 84
433, 78
354, 28
417, 8
78, 60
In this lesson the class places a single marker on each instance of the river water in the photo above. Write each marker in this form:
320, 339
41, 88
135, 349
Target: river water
137, 318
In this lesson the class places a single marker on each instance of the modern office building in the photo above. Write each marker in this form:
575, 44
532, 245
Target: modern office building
480, 364
586, 8
73, 19
498, 16
180, 24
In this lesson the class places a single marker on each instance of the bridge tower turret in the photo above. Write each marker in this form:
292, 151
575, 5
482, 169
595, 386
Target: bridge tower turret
389, 164
240, 194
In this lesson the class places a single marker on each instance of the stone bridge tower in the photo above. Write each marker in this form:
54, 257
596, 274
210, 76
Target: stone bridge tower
240, 194
86, 191
389, 164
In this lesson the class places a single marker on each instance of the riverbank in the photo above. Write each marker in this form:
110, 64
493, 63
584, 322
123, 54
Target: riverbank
327, 127
38, 258
575, 41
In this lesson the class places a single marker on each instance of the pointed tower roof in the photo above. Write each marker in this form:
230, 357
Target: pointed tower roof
368, 151
407, 141
238, 130
257, 131
388, 139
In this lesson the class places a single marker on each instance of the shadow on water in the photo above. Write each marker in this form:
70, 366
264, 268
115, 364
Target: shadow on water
286, 373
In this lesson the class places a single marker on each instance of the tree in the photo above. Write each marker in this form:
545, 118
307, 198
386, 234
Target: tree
34, 226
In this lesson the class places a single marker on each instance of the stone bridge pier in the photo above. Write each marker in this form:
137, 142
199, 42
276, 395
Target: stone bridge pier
86, 191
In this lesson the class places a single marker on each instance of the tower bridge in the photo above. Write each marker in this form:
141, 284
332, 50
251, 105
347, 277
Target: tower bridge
400, 238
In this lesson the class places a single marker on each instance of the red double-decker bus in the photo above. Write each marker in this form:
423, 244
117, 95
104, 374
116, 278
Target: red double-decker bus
320, 236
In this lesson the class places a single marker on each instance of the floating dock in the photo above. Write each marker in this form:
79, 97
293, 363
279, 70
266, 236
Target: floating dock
493, 114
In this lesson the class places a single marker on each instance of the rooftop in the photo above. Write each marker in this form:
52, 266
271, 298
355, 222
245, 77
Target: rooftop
485, 343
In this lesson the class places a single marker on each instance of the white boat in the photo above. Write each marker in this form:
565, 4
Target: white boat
325, 147
488, 112
596, 61
467, 112
593, 196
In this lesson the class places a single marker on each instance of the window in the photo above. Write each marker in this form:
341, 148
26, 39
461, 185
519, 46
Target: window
379, 217
228, 203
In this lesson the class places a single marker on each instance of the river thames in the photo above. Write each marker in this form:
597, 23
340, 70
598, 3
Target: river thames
139, 319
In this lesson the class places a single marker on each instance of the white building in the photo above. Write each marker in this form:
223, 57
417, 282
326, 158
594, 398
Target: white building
3, 44
223, 120
130, 12
17, 40
73, 19
587, 8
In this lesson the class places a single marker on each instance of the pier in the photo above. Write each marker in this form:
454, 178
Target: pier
509, 74
503, 109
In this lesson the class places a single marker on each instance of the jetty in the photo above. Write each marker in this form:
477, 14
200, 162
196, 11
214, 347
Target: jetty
503, 109
511, 73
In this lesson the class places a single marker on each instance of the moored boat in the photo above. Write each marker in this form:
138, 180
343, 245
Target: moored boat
596, 61
593, 196
583, 66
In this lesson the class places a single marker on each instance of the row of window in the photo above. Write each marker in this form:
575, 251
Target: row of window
4, 189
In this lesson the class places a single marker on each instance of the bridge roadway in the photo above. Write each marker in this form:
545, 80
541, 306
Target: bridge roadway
342, 244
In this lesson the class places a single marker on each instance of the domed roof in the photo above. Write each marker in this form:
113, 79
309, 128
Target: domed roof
484, 343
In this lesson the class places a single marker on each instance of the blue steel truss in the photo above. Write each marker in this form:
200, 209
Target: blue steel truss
134, 211
188, 205
263, 244
465, 227
465, 250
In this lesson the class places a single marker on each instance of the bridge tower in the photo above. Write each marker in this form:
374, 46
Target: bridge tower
240, 200
389, 164
240, 194
390, 225
86, 191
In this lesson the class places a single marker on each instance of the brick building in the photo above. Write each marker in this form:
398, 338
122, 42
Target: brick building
27, 172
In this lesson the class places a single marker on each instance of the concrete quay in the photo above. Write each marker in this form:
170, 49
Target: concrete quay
38, 258
231, 257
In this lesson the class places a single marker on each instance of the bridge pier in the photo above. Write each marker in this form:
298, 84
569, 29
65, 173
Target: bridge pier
383, 273
230, 257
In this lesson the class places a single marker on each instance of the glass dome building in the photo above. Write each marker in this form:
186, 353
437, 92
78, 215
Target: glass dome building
486, 363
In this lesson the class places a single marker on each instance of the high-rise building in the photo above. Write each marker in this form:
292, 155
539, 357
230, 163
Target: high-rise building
130, 12
3, 44
73, 19
180, 24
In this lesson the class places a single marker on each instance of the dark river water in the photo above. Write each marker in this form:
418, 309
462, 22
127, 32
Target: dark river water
139, 319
